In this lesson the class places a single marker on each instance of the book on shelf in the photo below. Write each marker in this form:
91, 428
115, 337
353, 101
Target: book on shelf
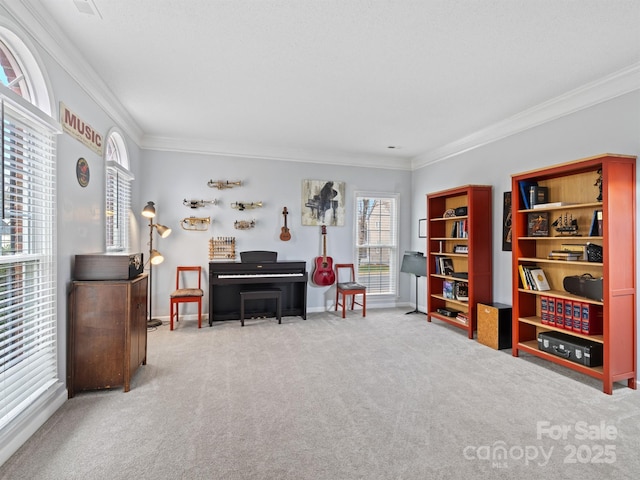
538, 224
544, 309
448, 289
538, 195
463, 317
596, 224
459, 229
565, 255
525, 187
462, 291
533, 278
446, 265
542, 206
580, 248
523, 278
464, 275
540, 280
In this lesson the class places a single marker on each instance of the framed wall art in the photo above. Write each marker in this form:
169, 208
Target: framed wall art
322, 202
422, 228
506, 222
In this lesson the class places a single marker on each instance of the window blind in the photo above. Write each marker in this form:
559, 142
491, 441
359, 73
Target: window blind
376, 243
117, 206
28, 337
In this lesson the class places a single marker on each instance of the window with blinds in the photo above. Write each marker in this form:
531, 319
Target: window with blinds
117, 194
28, 350
377, 243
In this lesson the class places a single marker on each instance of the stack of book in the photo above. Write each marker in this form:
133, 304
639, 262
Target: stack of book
580, 248
533, 278
565, 255
463, 317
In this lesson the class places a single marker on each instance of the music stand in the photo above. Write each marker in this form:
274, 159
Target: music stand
415, 263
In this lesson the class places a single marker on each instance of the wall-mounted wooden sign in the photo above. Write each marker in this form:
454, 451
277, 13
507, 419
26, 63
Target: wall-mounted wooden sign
80, 130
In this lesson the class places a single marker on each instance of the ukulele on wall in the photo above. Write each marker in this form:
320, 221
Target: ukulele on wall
285, 234
323, 274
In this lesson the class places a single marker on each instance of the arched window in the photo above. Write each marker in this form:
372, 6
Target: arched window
28, 319
11, 73
117, 193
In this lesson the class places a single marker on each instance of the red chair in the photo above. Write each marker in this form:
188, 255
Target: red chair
185, 294
347, 287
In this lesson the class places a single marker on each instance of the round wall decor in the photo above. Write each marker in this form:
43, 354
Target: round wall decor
82, 172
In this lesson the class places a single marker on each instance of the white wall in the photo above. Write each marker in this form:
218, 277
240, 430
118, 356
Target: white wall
171, 177
167, 178
611, 127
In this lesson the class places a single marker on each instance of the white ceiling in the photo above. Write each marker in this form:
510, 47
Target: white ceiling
340, 81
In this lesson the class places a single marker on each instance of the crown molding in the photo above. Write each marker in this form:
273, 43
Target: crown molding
325, 157
48, 36
53, 41
611, 86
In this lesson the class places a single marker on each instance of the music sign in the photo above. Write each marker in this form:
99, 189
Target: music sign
80, 130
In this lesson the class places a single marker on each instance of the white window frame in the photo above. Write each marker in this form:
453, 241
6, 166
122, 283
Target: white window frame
28, 339
31, 386
118, 179
364, 274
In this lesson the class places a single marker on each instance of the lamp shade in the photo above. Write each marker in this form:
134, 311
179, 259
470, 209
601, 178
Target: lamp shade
163, 231
156, 257
149, 210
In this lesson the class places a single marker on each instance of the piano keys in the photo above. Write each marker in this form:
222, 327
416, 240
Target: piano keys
228, 279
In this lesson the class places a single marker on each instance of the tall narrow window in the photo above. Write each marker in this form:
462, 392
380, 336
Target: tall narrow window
28, 324
28, 359
118, 194
377, 243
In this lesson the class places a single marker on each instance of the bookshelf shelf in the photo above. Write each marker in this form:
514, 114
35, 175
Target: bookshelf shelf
604, 183
474, 231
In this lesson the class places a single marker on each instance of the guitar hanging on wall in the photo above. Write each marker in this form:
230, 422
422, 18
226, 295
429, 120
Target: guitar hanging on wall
323, 274
285, 234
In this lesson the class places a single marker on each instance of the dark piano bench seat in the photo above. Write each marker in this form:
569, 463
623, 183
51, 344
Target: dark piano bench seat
266, 294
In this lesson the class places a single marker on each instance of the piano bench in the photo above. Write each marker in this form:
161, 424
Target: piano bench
265, 294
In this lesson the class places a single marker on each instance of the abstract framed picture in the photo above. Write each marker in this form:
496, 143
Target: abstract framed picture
322, 202
506, 222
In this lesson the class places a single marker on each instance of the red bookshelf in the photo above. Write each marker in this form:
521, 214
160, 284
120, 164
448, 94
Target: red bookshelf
465, 238
577, 184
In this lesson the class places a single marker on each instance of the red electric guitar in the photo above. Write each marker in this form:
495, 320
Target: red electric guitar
324, 274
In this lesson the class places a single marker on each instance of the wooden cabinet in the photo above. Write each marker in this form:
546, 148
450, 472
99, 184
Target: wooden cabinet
459, 235
605, 183
107, 334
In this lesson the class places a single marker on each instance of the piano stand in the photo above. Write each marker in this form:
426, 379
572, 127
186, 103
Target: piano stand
275, 293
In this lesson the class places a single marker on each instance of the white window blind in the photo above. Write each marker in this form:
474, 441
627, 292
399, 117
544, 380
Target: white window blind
28, 350
118, 204
376, 243
117, 194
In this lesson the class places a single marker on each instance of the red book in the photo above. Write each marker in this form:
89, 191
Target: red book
552, 310
544, 309
577, 317
568, 315
559, 313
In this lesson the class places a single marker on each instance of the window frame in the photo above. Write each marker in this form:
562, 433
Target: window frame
117, 235
392, 244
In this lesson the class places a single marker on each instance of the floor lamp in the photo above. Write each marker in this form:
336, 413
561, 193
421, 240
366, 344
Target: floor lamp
155, 257
415, 263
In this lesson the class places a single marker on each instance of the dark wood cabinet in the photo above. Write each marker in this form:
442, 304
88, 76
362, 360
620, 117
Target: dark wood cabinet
582, 193
107, 334
459, 254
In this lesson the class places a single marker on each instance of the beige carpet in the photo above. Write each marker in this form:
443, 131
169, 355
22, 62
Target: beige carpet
388, 396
